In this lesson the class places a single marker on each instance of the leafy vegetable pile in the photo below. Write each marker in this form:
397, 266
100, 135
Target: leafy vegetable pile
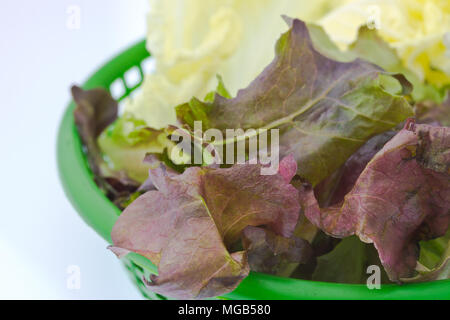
362, 161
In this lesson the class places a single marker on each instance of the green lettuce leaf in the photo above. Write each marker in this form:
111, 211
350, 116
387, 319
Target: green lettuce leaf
348, 263
432, 251
434, 261
371, 47
125, 143
221, 90
325, 109
127, 140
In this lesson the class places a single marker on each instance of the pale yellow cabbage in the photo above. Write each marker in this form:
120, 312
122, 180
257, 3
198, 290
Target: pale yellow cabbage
194, 40
417, 29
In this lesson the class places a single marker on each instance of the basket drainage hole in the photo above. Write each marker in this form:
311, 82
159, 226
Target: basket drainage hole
117, 89
132, 77
148, 65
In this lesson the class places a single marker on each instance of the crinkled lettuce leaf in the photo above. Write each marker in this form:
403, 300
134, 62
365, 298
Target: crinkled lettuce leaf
333, 189
325, 109
371, 47
402, 197
95, 110
125, 143
188, 226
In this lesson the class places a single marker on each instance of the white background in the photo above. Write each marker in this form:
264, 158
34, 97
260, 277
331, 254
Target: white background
40, 234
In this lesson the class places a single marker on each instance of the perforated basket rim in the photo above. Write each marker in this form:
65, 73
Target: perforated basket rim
100, 213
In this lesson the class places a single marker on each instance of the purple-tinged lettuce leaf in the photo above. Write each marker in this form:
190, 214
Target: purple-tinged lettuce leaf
429, 112
154, 161
273, 254
332, 190
371, 47
325, 109
95, 110
402, 197
433, 149
304, 230
188, 225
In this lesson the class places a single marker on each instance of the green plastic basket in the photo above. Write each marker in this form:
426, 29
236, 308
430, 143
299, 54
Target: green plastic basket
101, 214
